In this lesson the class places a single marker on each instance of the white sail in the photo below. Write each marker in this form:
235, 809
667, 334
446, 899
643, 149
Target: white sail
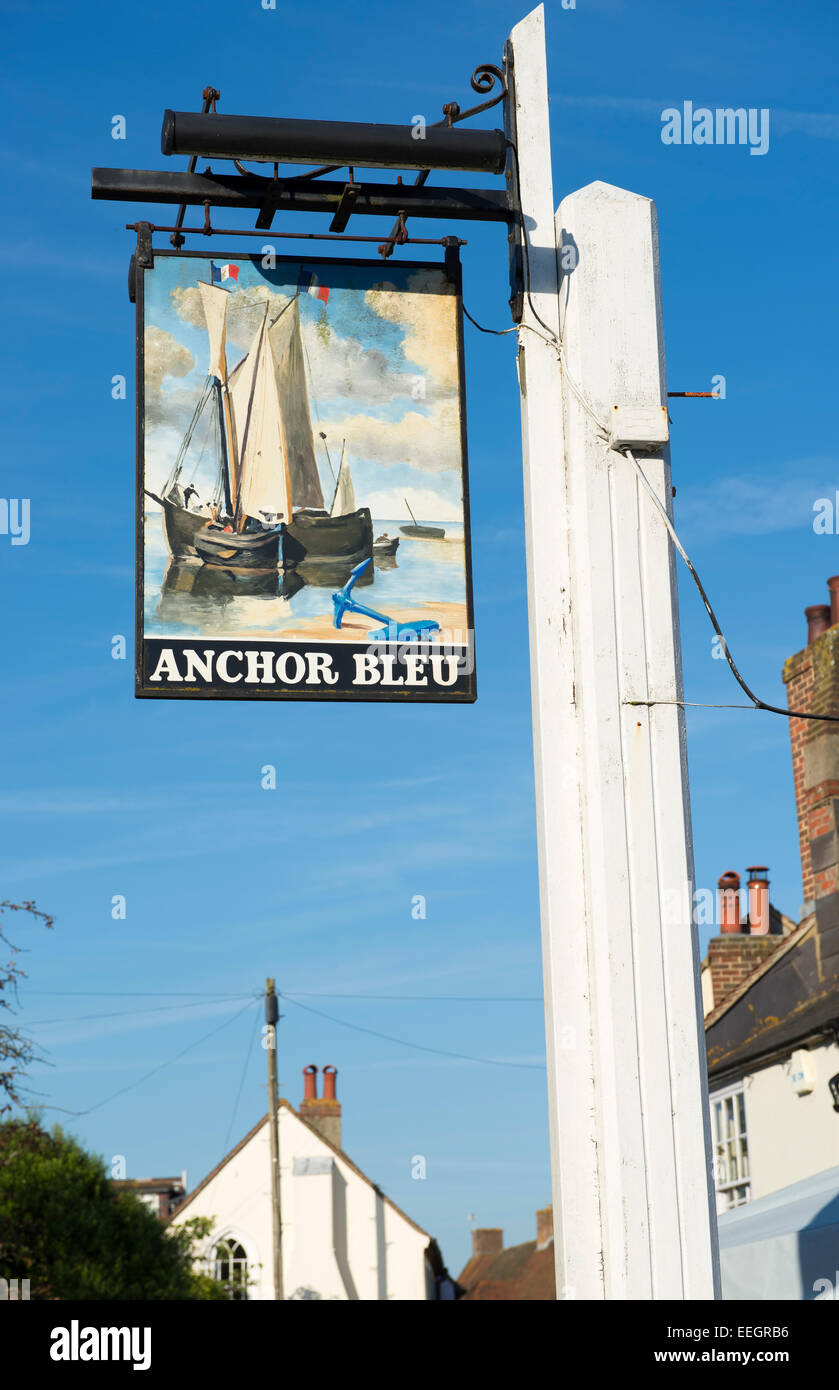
344, 500
263, 481
215, 302
287, 344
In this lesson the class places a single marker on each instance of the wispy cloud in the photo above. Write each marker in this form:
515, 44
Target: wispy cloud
756, 506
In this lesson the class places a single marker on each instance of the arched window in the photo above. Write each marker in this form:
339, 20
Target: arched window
229, 1264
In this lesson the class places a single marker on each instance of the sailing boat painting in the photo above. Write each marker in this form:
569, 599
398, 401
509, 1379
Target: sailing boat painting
289, 413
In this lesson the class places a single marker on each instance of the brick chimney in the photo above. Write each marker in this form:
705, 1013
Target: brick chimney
322, 1113
742, 945
544, 1227
488, 1241
812, 681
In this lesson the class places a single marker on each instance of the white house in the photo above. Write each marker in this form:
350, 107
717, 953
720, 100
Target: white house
771, 985
342, 1238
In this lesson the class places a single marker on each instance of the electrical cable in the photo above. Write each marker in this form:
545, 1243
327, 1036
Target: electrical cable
132, 1085
139, 993
251, 1037
132, 1013
419, 1047
424, 998
757, 702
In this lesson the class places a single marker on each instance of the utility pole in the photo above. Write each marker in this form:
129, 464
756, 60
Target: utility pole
271, 1017
630, 1147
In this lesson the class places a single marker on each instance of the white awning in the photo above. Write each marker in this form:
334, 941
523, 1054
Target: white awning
782, 1245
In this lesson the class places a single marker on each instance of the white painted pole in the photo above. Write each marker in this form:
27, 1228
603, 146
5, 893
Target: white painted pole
633, 1199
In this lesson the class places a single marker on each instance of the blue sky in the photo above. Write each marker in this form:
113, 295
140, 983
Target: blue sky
161, 802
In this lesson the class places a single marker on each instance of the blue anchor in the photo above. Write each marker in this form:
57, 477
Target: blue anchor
392, 631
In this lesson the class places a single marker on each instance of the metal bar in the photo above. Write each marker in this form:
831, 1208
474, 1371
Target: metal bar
278, 138
343, 212
235, 190
295, 236
210, 97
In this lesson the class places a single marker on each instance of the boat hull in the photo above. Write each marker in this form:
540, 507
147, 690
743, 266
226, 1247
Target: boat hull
259, 550
385, 548
180, 528
313, 538
426, 533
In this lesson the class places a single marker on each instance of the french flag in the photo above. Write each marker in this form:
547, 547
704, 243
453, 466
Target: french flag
224, 272
310, 284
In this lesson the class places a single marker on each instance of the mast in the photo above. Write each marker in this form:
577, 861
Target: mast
338, 479
215, 301
408, 505
231, 468
223, 437
328, 459
343, 500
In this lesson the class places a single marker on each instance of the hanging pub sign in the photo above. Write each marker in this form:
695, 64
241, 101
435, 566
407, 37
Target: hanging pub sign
303, 515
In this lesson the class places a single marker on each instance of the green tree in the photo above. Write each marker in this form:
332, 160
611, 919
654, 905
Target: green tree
73, 1235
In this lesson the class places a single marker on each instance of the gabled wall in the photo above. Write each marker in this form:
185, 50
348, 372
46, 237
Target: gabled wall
341, 1238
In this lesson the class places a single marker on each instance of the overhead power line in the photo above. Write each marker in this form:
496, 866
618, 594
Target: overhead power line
418, 1047
397, 998
132, 1085
133, 1013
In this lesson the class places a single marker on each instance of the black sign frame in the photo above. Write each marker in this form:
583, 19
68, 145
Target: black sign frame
395, 662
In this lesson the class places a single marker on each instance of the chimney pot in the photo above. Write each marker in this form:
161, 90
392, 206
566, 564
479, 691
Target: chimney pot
758, 900
833, 586
544, 1227
488, 1241
819, 619
322, 1113
729, 902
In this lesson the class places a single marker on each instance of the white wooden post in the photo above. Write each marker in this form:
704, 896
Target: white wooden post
633, 1198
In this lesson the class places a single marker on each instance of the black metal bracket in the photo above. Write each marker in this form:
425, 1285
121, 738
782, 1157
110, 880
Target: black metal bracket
142, 259
210, 96
311, 192
483, 80
344, 210
291, 195
516, 228
451, 260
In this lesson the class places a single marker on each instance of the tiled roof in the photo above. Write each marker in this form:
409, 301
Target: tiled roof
522, 1272
148, 1184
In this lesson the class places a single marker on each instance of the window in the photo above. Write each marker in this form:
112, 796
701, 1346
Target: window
731, 1148
229, 1264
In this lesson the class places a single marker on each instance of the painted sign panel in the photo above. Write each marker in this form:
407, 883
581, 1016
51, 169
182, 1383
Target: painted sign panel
302, 518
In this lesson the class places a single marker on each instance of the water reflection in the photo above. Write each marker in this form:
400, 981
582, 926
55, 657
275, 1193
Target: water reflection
190, 590
195, 594
185, 597
385, 562
331, 574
